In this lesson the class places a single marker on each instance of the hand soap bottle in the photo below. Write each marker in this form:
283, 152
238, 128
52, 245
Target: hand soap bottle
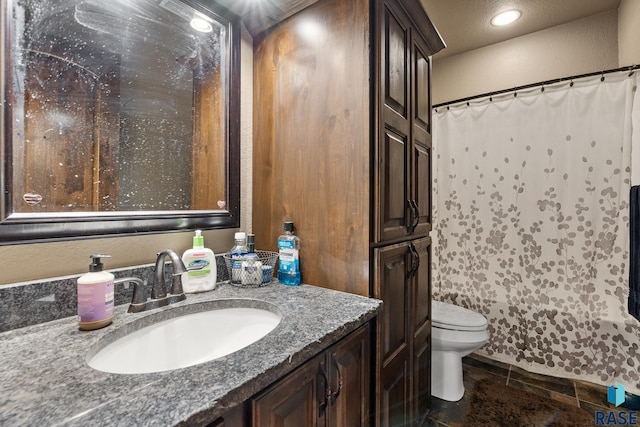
201, 262
95, 296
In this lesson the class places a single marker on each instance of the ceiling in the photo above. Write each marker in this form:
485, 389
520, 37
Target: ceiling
465, 24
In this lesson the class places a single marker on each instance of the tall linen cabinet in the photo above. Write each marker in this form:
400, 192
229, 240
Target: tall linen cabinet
342, 146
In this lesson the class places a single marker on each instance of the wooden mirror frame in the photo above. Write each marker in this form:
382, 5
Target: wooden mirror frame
20, 229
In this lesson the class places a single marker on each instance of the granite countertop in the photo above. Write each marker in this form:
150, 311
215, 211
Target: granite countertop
45, 379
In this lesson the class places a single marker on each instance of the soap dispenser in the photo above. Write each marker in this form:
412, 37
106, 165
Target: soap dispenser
201, 263
95, 296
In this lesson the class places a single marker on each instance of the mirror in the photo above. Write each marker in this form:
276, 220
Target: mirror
121, 117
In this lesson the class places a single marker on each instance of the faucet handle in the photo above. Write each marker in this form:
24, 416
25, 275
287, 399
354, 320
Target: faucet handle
139, 294
157, 287
176, 285
178, 267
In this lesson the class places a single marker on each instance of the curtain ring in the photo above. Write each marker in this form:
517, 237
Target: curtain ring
602, 76
542, 89
571, 84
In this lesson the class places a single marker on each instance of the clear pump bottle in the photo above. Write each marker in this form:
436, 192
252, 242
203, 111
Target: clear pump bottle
238, 253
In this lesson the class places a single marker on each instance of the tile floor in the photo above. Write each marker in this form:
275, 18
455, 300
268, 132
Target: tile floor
592, 397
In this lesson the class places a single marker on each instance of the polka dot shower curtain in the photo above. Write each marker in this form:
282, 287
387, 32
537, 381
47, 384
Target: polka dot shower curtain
531, 225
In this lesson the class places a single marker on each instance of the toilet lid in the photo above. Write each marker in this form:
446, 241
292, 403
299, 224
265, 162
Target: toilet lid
449, 316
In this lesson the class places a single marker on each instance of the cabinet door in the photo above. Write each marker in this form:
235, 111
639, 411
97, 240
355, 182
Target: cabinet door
394, 144
421, 329
235, 417
394, 399
294, 401
391, 284
404, 146
350, 374
420, 191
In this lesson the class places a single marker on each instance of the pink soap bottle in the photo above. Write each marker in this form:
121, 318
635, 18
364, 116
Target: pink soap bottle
95, 296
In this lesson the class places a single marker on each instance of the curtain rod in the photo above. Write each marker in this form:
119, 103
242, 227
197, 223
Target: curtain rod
544, 83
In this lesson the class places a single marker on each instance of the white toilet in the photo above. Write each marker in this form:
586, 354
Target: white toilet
455, 333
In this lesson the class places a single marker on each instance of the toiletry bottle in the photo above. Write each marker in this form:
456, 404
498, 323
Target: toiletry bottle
251, 266
201, 263
95, 296
238, 252
288, 254
251, 243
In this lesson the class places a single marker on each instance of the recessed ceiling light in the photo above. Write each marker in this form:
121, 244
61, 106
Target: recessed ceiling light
201, 24
506, 18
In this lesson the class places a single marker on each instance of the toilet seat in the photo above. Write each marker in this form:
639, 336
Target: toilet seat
456, 332
456, 318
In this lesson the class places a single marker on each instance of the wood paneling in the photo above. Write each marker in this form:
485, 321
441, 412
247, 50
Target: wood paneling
311, 140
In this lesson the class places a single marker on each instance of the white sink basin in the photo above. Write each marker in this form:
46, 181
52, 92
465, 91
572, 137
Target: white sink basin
184, 341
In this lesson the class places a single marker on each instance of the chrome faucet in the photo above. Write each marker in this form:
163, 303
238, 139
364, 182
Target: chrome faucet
159, 297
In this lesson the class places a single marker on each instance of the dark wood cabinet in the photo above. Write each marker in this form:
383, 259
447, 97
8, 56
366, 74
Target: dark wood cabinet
420, 327
342, 147
332, 389
294, 401
403, 173
402, 280
401, 244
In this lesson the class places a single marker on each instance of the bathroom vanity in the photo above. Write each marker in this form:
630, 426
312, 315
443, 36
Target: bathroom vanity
315, 364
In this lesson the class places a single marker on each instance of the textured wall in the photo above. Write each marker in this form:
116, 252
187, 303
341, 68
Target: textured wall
629, 32
581, 46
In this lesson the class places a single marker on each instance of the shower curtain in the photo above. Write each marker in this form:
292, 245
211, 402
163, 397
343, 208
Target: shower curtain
531, 225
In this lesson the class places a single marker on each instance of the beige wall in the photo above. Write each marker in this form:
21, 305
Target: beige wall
629, 32
578, 47
20, 263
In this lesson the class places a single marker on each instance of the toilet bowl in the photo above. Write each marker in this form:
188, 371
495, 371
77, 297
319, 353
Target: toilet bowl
455, 333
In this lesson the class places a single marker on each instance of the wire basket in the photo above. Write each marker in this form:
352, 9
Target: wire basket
244, 273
